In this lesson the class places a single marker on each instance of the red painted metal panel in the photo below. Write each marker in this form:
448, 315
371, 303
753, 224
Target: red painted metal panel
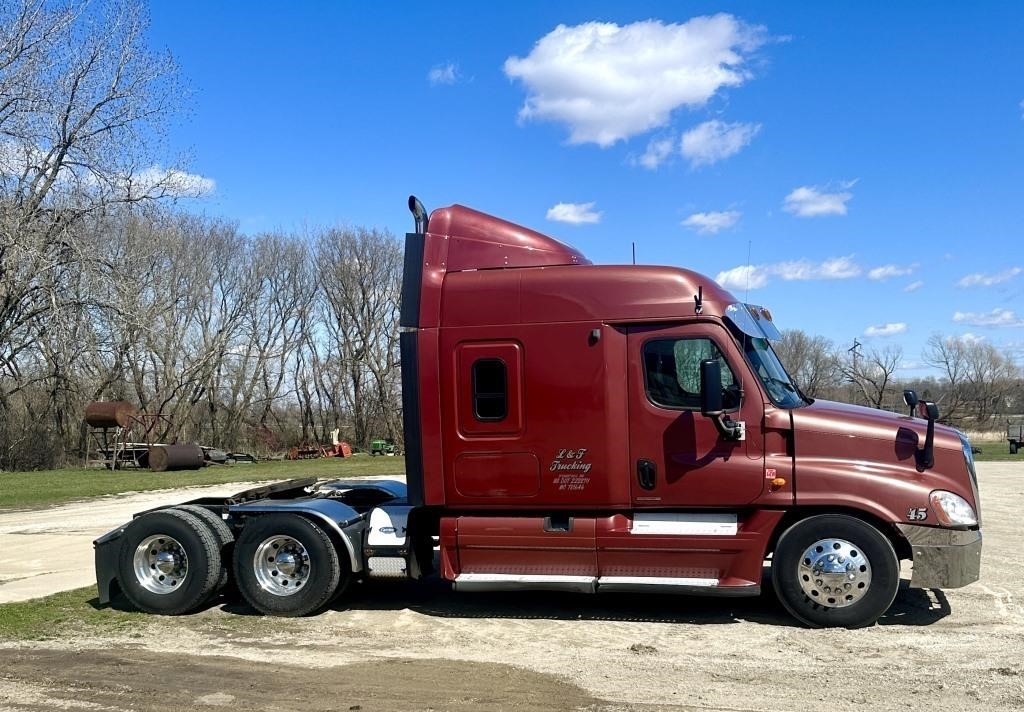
735, 560
509, 353
520, 545
863, 458
431, 425
481, 241
607, 293
449, 541
497, 474
695, 465
574, 415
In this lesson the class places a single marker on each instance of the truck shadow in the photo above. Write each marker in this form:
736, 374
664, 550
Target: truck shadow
914, 607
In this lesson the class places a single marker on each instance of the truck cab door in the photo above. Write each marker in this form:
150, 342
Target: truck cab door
677, 455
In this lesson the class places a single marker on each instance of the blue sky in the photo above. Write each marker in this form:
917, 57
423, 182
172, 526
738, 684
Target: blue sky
867, 156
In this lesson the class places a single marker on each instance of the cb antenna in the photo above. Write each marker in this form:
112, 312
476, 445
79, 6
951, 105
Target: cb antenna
746, 290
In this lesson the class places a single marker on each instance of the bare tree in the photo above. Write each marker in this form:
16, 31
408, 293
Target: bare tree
949, 356
872, 373
810, 360
82, 102
361, 283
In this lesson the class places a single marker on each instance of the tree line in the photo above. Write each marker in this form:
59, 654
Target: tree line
109, 291
976, 385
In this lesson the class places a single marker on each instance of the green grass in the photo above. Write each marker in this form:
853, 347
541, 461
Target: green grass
67, 612
996, 450
34, 489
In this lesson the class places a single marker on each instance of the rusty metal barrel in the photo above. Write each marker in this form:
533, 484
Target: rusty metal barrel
164, 458
110, 414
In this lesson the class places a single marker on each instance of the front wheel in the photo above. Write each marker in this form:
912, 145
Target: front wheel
286, 565
833, 570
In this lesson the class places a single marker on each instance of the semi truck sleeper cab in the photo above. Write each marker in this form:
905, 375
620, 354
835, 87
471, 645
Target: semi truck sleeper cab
590, 428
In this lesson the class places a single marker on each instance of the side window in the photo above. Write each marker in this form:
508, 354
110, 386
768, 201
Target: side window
672, 373
490, 389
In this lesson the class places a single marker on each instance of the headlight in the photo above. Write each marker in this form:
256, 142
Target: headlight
952, 510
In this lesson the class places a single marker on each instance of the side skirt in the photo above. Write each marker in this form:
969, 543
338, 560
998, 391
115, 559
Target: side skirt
593, 584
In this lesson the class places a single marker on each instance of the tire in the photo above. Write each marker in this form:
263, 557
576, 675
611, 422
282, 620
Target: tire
222, 532
169, 562
1013, 448
314, 571
853, 589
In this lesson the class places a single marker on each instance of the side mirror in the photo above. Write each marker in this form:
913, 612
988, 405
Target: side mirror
710, 388
926, 457
910, 398
711, 401
928, 410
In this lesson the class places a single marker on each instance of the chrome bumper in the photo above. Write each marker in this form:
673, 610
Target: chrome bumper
943, 558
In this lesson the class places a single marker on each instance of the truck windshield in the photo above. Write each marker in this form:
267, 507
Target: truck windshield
772, 374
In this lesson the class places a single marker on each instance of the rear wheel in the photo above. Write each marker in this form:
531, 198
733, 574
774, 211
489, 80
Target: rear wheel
286, 565
169, 562
1013, 448
222, 532
833, 570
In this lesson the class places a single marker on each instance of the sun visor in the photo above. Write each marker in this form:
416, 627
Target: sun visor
753, 320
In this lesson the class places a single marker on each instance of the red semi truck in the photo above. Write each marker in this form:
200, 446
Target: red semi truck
590, 428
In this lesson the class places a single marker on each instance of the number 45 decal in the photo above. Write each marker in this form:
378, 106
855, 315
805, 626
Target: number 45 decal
917, 514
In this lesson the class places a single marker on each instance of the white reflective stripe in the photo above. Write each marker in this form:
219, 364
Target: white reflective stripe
692, 524
521, 578
658, 581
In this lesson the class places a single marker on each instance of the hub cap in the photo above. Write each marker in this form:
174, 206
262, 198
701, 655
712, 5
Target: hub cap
281, 565
834, 573
160, 564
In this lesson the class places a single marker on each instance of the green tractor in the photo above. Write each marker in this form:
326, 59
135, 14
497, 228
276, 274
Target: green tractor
383, 447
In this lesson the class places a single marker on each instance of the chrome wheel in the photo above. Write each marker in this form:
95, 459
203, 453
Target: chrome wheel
281, 565
834, 573
160, 564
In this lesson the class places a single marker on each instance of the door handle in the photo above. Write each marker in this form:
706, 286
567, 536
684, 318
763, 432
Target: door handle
646, 474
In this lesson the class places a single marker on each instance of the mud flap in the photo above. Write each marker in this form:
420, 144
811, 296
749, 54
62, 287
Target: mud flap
106, 549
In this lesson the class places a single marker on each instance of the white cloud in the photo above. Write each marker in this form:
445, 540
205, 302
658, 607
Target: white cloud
743, 277
888, 329
574, 213
913, 286
713, 222
443, 74
996, 317
980, 279
19, 159
832, 268
795, 270
658, 151
813, 201
168, 182
887, 271
715, 141
608, 82
970, 338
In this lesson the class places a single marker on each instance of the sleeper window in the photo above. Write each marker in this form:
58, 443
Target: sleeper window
490, 389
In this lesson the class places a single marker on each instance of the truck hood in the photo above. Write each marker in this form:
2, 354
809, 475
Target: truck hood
866, 459
855, 421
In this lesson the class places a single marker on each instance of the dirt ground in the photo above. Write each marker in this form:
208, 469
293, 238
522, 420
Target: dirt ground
420, 647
